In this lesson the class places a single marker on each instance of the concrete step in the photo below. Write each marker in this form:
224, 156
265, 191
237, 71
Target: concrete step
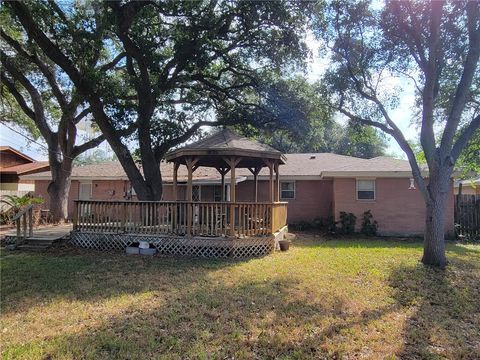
39, 240
36, 247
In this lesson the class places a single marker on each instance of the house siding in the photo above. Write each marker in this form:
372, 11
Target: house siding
398, 209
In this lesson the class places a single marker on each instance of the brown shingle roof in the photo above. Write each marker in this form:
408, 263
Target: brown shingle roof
16, 152
297, 165
25, 168
113, 171
226, 143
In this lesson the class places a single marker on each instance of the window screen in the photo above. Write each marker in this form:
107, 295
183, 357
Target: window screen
287, 190
366, 189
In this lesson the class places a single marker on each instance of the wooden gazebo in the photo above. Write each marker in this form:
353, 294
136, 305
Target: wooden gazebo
228, 151
200, 228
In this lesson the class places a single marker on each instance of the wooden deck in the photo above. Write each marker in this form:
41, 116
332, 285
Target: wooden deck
42, 237
185, 228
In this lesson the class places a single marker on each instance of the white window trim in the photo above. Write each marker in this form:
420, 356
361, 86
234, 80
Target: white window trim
374, 189
294, 189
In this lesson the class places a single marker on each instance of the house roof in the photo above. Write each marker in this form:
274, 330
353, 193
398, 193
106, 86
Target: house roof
25, 168
297, 166
113, 171
468, 182
226, 143
16, 152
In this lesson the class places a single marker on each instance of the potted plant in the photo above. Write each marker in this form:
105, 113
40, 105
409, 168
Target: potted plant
284, 245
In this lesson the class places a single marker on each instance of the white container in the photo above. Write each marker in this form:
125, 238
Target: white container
149, 252
131, 250
144, 245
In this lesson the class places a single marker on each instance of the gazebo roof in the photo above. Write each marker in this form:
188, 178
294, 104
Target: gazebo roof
226, 143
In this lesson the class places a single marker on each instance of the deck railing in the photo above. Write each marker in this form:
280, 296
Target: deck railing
180, 217
24, 221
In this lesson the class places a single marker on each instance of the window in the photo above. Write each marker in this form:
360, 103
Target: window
217, 192
287, 190
196, 193
365, 189
85, 191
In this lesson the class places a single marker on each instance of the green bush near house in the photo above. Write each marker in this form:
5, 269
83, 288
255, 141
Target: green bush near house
369, 226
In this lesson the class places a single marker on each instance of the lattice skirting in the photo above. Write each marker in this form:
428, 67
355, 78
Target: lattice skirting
9, 239
179, 245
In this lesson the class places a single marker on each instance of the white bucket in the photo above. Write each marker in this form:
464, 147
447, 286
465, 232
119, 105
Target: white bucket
144, 245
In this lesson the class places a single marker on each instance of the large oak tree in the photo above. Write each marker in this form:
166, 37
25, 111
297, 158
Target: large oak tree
436, 46
169, 65
38, 99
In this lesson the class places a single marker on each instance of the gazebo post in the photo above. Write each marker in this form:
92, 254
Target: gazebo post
223, 171
269, 164
190, 162
175, 194
277, 181
175, 179
232, 163
255, 171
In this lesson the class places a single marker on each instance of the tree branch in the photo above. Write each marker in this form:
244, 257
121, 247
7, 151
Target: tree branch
41, 65
470, 66
465, 137
80, 149
34, 95
402, 142
114, 62
81, 115
18, 97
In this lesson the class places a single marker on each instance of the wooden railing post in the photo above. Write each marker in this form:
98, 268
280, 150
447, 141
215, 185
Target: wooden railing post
24, 223
18, 229
123, 220
30, 221
75, 216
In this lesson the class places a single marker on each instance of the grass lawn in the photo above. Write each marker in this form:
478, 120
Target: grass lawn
346, 299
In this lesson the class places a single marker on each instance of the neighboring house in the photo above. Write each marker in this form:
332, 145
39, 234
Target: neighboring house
469, 187
14, 164
314, 185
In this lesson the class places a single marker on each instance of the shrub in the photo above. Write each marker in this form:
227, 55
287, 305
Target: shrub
369, 226
15, 203
347, 222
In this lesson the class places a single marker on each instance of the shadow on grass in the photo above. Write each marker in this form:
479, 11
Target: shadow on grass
248, 320
32, 278
194, 315
444, 307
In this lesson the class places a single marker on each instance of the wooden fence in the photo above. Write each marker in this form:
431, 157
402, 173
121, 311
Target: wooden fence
467, 216
180, 217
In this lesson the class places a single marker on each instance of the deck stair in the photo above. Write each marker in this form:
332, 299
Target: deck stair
36, 238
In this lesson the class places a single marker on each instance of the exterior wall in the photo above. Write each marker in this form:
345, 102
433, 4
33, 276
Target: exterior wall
313, 198
108, 189
398, 210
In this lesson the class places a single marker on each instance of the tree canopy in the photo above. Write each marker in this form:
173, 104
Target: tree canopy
309, 124
162, 69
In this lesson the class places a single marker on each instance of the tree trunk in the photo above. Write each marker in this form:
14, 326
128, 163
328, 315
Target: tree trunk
434, 238
59, 188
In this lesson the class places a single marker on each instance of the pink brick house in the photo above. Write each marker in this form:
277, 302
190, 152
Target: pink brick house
314, 185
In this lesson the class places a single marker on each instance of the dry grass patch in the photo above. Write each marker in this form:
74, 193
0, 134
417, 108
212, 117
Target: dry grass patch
323, 299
